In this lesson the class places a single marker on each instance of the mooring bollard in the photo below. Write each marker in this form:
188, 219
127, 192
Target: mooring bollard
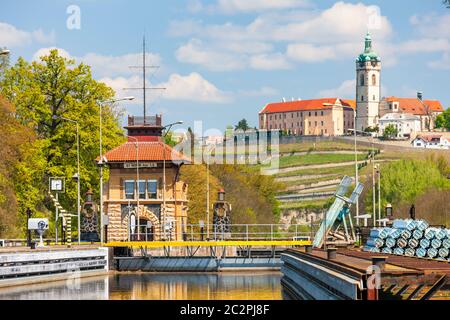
331, 253
380, 262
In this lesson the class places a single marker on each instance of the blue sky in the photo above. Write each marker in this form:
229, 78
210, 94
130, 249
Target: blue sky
223, 60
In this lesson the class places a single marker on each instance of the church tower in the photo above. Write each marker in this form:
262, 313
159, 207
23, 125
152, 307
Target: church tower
368, 87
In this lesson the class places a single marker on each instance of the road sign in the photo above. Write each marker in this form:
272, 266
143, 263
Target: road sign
57, 184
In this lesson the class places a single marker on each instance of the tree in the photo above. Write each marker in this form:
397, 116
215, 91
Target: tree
443, 120
446, 3
390, 132
43, 92
17, 141
242, 125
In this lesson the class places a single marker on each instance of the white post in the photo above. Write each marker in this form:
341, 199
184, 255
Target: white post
101, 178
379, 193
356, 161
79, 186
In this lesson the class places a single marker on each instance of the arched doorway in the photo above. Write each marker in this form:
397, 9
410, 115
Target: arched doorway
149, 226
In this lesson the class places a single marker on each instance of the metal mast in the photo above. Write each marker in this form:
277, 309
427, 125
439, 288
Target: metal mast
144, 88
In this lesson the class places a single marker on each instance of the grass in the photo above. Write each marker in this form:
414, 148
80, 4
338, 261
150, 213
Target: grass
311, 181
313, 159
313, 204
319, 146
345, 170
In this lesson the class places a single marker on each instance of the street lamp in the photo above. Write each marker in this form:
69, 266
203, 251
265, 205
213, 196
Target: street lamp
137, 181
78, 177
101, 162
167, 127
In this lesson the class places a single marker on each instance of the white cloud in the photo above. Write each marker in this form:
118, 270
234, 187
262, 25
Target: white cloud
114, 71
193, 87
246, 6
232, 6
106, 66
195, 52
345, 90
46, 51
432, 25
11, 37
443, 63
274, 61
310, 53
309, 36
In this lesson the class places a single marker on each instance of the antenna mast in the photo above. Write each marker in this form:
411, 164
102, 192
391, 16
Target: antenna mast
144, 88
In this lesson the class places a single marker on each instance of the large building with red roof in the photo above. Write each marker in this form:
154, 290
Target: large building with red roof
425, 110
145, 171
327, 117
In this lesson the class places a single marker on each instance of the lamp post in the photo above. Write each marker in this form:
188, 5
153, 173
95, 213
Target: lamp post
137, 182
356, 150
101, 162
167, 127
78, 177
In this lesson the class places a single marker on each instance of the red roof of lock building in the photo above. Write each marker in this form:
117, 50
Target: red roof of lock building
415, 106
430, 138
306, 105
147, 151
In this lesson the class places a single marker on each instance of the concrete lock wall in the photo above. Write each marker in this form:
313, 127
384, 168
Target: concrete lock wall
33, 267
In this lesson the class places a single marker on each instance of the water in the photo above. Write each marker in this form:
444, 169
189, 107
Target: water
156, 286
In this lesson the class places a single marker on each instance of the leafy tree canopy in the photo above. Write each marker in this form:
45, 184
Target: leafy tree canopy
242, 125
43, 92
443, 120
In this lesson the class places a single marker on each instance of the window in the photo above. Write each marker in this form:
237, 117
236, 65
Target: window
362, 98
315, 113
361, 79
141, 189
374, 98
152, 189
321, 113
129, 189
315, 123
374, 80
321, 123
292, 115
310, 113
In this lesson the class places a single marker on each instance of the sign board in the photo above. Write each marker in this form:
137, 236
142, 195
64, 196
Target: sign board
133, 165
57, 184
38, 224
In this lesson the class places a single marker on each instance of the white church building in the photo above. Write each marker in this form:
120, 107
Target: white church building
409, 115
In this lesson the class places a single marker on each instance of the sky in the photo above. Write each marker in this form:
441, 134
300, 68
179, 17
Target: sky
224, 60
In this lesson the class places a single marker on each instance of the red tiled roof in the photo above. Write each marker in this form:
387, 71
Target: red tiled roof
147, 151
302, 105
414, 106
430, 138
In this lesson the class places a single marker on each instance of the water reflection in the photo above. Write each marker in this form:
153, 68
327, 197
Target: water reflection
146, 286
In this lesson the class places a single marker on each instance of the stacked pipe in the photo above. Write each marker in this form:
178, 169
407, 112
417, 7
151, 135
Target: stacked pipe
412, 238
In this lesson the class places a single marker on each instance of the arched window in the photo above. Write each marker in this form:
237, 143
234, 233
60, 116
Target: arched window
374, 80
361, 79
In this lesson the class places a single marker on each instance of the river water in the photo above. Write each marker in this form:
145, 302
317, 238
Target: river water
156, 286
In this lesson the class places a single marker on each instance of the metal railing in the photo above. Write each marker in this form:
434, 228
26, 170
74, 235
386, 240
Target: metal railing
236, 232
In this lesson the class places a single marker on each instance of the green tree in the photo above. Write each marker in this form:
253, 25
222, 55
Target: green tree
242, 125
43, 92
390, 132
443, 120
404, 181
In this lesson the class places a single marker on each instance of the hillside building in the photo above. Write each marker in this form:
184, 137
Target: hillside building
325, 117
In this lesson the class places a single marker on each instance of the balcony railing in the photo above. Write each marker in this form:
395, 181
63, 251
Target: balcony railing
147, 121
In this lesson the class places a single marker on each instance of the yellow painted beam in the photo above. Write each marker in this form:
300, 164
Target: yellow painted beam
162, 244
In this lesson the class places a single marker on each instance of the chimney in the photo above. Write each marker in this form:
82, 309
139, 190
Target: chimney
419, 95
